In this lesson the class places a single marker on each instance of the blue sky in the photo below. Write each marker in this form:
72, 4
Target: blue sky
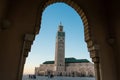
43, 48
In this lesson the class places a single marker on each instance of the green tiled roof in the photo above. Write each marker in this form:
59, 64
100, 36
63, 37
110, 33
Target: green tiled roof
73, 60
48, 62
69, 60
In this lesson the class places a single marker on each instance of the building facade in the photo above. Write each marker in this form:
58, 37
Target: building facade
65, 66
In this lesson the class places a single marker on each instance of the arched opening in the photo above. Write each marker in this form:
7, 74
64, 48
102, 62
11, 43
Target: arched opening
84, 19
92, 47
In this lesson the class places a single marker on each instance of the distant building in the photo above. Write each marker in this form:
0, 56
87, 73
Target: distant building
65, 66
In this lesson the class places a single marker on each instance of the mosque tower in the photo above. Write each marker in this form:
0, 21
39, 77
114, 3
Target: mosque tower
60, 51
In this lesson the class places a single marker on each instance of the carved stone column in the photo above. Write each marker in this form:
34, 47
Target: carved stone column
95, 58
28, 41
92, 48
94, 54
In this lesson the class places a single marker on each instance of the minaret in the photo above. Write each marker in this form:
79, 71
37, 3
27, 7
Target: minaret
60, 51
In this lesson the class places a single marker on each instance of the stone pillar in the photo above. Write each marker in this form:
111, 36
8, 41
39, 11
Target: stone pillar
28, 40
94, 54
93, 48
95, 59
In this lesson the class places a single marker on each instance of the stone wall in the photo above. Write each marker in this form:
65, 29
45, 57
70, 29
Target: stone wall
71, 69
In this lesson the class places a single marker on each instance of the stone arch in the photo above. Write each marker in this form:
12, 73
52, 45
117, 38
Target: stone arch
87, 30
92, 47
71, 3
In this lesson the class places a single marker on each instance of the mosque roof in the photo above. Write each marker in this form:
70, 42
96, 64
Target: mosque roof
48, 62
74, 60
69, 60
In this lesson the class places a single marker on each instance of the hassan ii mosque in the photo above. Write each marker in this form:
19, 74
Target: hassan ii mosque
65, 66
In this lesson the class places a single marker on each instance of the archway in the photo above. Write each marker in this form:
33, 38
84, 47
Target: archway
91, 46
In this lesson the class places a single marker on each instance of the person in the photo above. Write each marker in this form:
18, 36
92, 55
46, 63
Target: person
34, 76
51, 76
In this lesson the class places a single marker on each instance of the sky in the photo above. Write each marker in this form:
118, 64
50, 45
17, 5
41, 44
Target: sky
43, 48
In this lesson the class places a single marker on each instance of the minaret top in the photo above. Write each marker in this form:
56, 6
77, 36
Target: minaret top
60, 27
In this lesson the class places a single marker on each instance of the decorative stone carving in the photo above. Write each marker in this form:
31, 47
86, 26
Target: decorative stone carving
111, 40
28, 40
4, 24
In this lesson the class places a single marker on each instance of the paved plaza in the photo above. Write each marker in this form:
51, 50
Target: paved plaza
58, 78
